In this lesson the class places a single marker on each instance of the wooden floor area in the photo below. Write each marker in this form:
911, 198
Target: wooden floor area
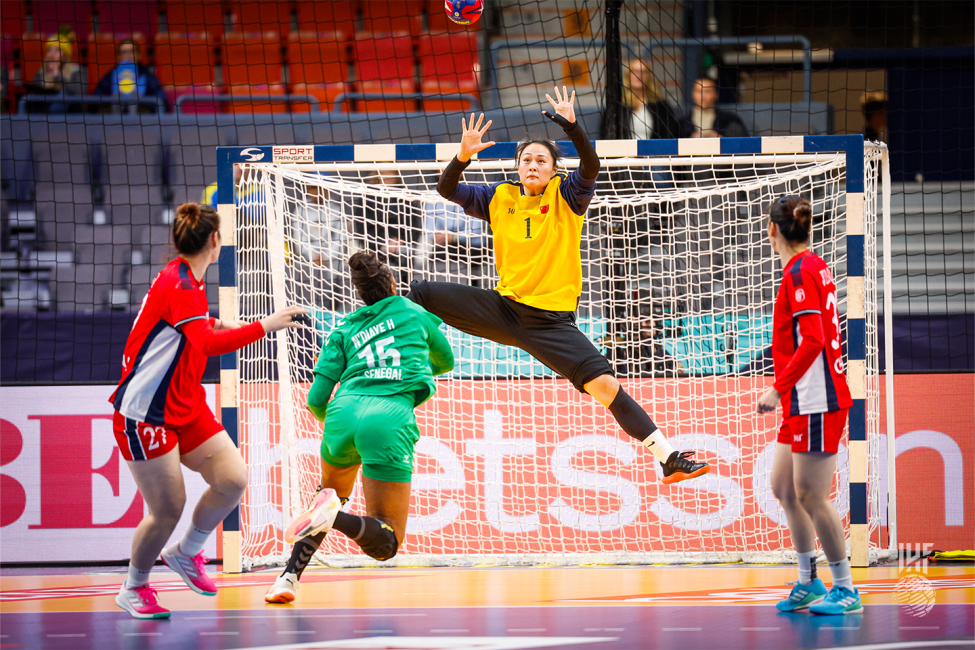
611, 608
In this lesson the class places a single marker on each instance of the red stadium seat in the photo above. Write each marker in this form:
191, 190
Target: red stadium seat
260, 16
382, 17
32, 56
317, 16
125, 17
184, 62
313, 59
384, 59
50, 15
12, 19
102, 56
252, 61
451, 60
195, 17
449, 64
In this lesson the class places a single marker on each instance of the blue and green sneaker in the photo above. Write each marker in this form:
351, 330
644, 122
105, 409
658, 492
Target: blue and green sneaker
802, 596
839, 600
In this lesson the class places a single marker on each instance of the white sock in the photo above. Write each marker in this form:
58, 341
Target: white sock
193, 540
807, 567
841, 574
658, 446
137, 577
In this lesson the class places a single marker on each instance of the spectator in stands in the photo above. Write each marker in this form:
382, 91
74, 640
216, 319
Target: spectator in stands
389, 224
451, 231
244, 197
58, 74
453, 236
651, 117
130, 80
706, 120
319, 232
874, 105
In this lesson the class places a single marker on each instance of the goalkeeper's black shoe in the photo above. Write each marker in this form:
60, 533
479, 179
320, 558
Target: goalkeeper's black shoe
679, 467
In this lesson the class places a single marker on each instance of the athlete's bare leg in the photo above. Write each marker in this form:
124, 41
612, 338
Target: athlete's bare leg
160, 482
218, 461
783, 487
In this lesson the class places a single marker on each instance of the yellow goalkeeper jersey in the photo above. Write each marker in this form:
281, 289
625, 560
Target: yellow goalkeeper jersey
536, 238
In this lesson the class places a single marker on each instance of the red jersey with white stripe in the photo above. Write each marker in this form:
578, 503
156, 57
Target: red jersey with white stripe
807, 350
161, 372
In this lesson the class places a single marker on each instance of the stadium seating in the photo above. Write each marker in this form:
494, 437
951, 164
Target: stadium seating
385, 66
50, 15
317, 66
183, 62
393, 17
195, 17
252, 60
448, 65
32, 53
254, 17
12, 19
314, 16
126, 17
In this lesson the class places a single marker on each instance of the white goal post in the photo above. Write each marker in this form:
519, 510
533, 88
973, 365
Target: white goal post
514, 466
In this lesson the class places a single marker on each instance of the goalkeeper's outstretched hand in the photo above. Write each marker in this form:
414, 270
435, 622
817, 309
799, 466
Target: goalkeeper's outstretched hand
471, 143
565, 113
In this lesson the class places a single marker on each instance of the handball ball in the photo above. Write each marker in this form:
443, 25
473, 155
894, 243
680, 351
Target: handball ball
464, 12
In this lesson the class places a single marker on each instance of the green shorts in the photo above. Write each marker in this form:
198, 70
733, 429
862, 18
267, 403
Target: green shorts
378, 431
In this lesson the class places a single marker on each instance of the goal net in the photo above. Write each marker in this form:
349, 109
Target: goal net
514, 465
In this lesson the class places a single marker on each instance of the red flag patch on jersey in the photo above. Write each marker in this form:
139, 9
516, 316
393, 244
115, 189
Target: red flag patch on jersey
543, 209
800, 295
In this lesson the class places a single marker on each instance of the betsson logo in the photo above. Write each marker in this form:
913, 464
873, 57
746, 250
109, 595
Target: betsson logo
294, 154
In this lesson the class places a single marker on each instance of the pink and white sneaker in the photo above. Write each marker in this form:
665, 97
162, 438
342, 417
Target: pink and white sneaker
141, 602
319, 516
191, 569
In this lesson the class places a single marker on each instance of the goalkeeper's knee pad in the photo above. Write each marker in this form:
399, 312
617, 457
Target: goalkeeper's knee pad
378, 540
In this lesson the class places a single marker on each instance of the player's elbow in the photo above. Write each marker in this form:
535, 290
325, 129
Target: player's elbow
444, 189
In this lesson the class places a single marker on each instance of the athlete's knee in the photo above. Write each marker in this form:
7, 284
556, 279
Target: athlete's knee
810, 500
167, 512
604, 388
231, 479
378, 541
785, 492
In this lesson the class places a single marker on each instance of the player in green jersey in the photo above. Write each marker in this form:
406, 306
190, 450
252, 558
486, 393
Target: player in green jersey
384, 357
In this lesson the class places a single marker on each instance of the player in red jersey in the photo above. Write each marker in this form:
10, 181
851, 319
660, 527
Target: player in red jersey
807, 354
161, 415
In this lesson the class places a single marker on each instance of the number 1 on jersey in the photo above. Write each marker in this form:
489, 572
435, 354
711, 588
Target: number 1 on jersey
528, 228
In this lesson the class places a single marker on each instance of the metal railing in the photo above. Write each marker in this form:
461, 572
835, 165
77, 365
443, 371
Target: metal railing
313, 102
475, 105
64, 102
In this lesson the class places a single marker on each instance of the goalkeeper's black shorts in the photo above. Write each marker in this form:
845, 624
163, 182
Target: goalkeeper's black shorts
550, 336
